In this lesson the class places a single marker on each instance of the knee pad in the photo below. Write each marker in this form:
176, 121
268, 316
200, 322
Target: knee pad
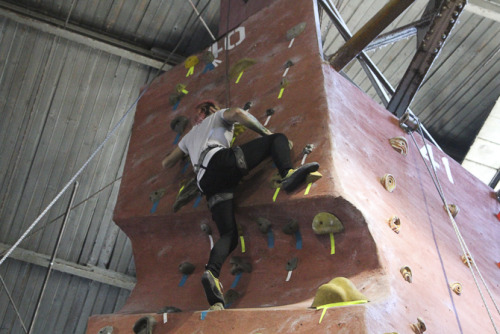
241, 163
217, 198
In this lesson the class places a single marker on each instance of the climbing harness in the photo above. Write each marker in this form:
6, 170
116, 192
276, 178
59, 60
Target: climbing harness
203, 154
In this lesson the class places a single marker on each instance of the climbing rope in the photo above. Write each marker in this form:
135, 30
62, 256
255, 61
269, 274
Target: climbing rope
463, 245
99, 148
202, 20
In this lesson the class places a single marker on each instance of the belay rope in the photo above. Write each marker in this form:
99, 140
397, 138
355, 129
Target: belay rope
461, 240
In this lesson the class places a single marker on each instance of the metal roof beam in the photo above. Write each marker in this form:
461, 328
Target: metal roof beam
427, 52
397, 34
89, 272
368, 32
86, 37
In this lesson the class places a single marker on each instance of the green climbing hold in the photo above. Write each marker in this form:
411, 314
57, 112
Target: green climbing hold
157, 194
295, 31
326, 223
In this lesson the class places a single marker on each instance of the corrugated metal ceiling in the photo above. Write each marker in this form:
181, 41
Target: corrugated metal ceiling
59, 98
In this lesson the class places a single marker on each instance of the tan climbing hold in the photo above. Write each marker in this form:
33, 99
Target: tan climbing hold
339, 289
466, 257
399, 144
456, 287
394, 223
454, 209
326, 223
216, 307
389, 182
419, 327
406, 272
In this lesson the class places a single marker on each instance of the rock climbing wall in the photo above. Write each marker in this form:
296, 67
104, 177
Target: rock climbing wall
273, 60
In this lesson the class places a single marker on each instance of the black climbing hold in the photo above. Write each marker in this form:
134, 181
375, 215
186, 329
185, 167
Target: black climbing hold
308, 149
264, 225
231, 296
248, 105
179, 124
187, 194
240, 265
292, 264
288, 64
175, 98
186, 268
145, 325
169, 309
270, 112
291, 227
206, 228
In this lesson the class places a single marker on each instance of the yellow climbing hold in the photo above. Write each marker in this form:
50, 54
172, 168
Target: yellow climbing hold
325, 223
240, 66
338, 290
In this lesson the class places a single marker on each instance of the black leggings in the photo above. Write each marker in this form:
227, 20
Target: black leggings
222, 176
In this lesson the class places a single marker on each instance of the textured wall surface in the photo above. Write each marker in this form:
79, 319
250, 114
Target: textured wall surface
351, 134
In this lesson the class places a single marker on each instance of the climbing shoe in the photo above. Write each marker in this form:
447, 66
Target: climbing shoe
296, 176
213, 288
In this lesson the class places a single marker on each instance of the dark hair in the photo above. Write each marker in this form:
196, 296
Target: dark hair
205, 107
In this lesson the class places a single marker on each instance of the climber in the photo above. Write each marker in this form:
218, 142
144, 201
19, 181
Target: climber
219, 168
